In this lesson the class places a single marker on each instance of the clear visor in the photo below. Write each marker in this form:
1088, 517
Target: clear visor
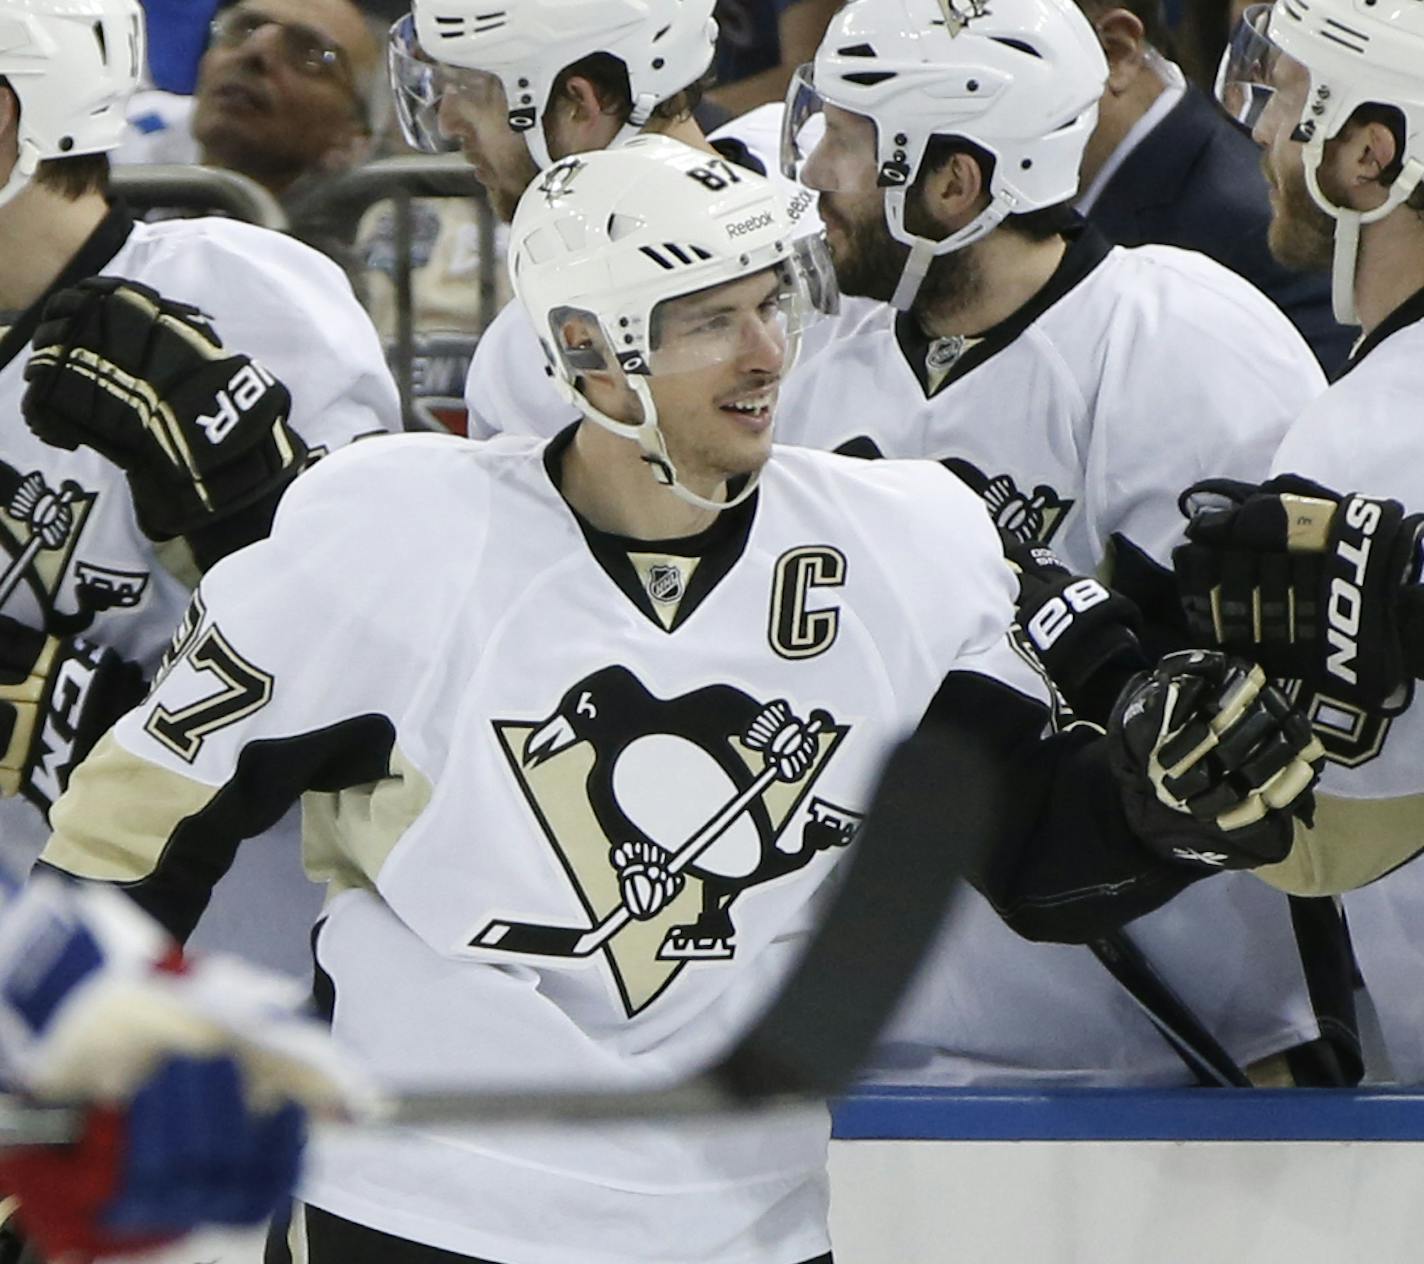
824, 147
420, 84
1244, 80
752, 325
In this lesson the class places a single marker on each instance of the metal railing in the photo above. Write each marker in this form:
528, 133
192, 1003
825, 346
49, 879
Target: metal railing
154, 186
341, 201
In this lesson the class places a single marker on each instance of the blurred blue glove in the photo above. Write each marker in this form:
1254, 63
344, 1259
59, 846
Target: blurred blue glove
187, 1151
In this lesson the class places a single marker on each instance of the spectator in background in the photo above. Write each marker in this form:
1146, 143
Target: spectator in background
1166, 166
283, 96
760, 43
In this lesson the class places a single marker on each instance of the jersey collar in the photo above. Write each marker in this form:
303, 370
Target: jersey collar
1087, 248
89, 260
1409, 312
717, 548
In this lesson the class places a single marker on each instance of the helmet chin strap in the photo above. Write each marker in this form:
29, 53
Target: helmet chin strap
648, 435
1348, 222
923, 251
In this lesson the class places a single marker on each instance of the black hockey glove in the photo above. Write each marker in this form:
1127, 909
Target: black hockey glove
1307, 583
1085, 634
57, 698
200, 432
1214, 763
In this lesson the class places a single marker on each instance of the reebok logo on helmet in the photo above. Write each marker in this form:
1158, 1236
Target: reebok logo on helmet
749, 225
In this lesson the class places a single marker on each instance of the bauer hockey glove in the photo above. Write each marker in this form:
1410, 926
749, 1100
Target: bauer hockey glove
200, 432
1215, 764
187, 1150
1307, 583
57, 698
1085, 634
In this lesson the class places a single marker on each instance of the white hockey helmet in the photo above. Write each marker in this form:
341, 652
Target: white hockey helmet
1018, 78
1356, 52
610, 237
665, 45
72, 65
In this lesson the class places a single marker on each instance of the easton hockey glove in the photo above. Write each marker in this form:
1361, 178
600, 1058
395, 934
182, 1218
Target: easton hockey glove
1214, 762
1307, 583
1084, 633
145, 381
57, 698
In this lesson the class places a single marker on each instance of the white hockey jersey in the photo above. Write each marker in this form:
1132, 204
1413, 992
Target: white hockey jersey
1361, 435
1133, 374
515, 739
268, 296
508, 389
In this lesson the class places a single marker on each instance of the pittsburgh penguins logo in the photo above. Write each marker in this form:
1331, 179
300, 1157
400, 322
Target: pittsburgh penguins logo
559, 177
661, 813
960, 13
1027, 516
40, 526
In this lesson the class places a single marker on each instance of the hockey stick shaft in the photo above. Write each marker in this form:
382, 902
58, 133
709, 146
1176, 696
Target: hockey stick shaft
1188, 1037
931, 819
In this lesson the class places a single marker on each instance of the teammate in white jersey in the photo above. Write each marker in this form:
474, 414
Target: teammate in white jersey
579, 779
1335, 95
1078, 388
77, 565
544, 83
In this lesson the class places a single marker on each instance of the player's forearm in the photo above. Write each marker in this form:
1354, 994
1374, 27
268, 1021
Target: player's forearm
1064, 864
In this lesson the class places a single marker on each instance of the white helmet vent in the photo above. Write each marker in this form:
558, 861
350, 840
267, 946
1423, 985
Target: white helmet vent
620, 225
1019, 44
670, 256
98, 29
1355, 41
456, 27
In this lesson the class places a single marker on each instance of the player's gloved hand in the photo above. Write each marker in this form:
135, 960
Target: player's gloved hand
1214, 762
57, 698
94, 994
200, 431
1078, 626
188, 1150
1307, 583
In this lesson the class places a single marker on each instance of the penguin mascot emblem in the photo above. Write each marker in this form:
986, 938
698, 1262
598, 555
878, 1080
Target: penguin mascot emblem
693, 790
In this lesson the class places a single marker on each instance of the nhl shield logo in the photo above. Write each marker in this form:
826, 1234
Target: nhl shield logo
664, 583
661, 813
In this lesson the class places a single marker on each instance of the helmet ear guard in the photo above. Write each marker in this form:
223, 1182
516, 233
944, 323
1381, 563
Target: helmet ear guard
663, 45
1356, 53
1019, 79
72, 65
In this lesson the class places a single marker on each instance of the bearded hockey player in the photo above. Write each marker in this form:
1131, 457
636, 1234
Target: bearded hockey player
101, 522
546, 81
579, 777
1078, 388
1335, 97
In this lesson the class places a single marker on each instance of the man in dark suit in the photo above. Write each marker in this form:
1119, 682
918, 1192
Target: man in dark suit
1165, 165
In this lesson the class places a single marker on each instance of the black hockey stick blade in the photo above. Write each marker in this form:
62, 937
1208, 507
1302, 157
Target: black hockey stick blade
931, 822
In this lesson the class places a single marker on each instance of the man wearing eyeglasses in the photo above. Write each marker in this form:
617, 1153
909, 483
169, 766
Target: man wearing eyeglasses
282, 90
